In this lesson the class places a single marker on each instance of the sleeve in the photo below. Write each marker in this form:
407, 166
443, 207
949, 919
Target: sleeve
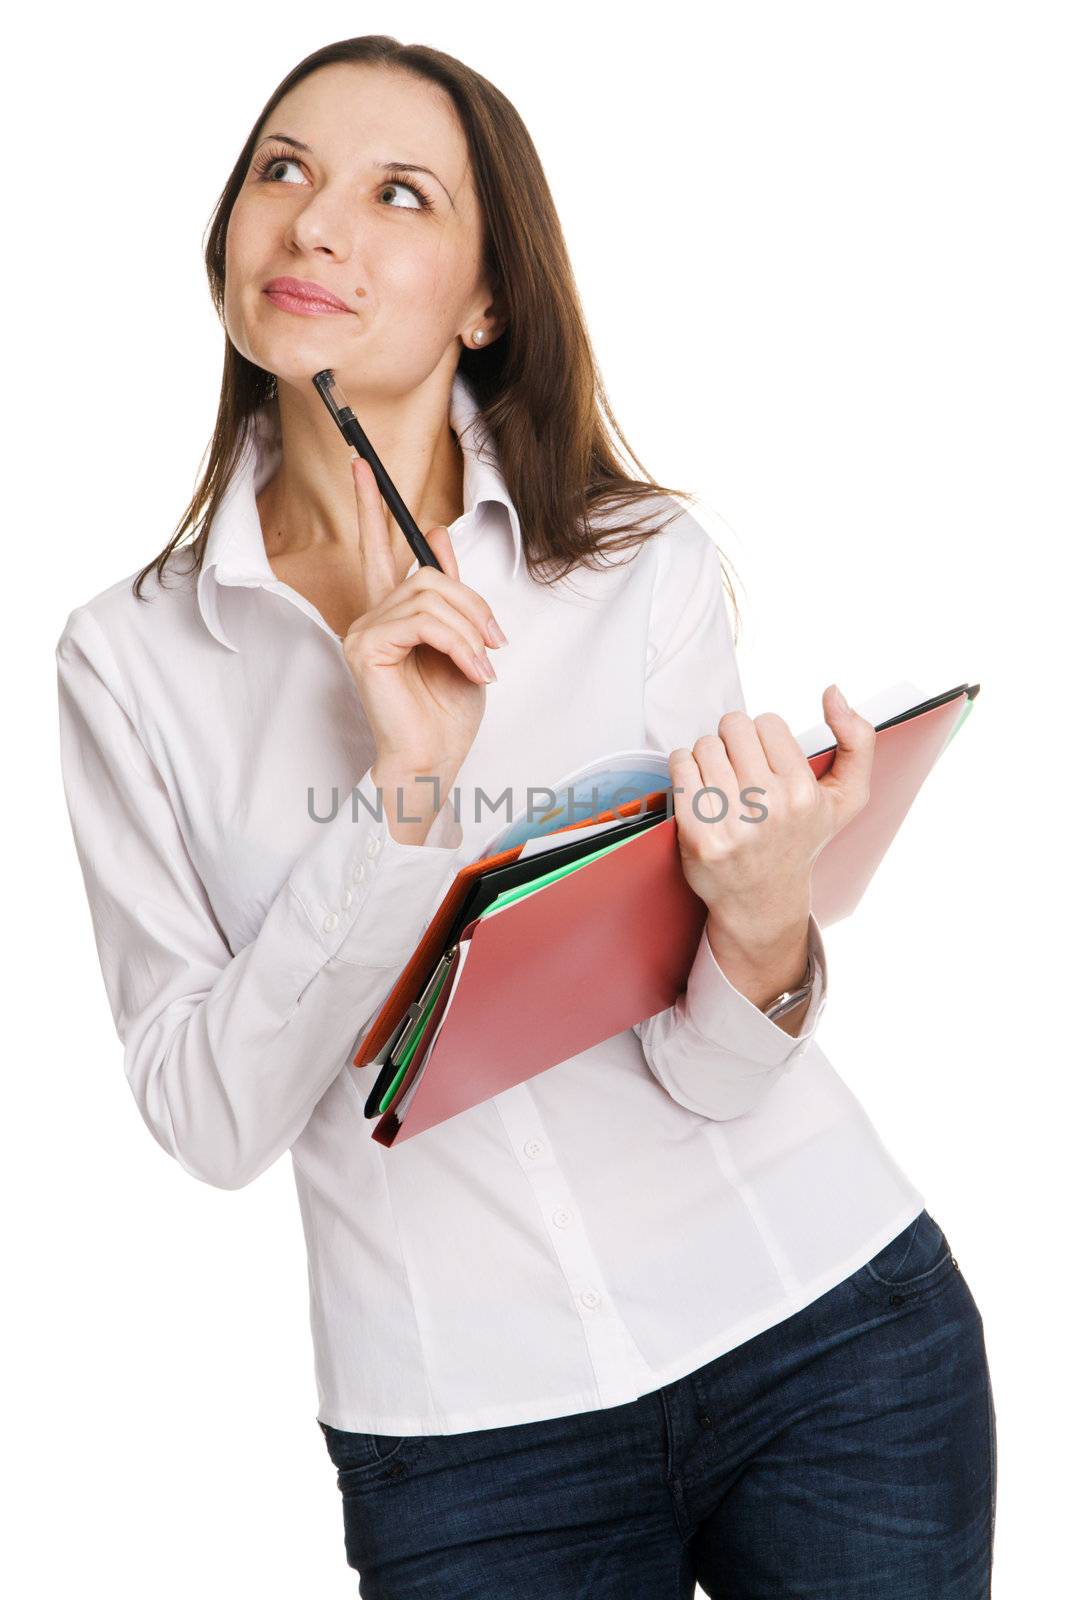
227, 1055
713, 1051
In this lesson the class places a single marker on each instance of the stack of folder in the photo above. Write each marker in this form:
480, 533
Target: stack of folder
562, 935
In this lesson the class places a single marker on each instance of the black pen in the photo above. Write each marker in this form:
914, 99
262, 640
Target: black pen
345, 418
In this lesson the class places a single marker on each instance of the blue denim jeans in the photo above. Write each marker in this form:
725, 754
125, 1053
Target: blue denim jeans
848, 1451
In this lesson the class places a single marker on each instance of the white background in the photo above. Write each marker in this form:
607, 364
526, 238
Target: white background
821, 253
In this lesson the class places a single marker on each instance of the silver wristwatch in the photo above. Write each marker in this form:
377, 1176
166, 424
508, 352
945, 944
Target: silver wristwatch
789, 999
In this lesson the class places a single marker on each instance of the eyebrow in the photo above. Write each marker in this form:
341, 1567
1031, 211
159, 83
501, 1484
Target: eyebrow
383, 166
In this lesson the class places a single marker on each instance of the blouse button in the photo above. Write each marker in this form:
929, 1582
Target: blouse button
590, 1298
532, 1147
330, 922
357, 872
346, 899
373, 846
561, 1217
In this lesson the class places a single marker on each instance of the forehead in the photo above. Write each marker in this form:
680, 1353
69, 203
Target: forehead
347, 108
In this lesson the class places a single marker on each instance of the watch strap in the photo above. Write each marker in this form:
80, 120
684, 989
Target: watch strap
790, 999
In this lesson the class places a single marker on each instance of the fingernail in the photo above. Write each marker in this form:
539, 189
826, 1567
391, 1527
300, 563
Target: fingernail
840, 703
485, 666
496, 632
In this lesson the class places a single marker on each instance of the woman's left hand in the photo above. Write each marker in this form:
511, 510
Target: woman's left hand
753, 867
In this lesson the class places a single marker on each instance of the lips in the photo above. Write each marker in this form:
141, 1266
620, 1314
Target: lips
302, 295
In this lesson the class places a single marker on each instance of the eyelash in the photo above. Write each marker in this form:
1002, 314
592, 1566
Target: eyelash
269, 158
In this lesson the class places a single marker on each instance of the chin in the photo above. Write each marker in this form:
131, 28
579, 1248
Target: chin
295, 361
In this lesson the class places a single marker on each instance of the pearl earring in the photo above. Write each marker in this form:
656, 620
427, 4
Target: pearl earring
478, 335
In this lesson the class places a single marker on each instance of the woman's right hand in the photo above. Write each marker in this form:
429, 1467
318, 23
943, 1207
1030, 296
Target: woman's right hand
415, 653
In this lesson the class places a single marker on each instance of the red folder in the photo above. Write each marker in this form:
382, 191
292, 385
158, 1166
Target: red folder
611, 943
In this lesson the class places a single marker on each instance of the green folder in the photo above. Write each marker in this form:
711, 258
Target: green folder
509, 896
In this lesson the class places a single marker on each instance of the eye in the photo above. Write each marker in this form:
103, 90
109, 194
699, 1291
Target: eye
395, 181
269, 159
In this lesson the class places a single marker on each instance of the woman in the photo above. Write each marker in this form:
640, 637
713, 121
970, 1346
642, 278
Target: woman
668, 1312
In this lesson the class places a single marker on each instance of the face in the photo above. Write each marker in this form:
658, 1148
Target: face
401, 250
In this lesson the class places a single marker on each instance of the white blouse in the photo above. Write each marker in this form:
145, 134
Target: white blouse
573, 1243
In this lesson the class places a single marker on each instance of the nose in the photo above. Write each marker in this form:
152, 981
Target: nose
322, 223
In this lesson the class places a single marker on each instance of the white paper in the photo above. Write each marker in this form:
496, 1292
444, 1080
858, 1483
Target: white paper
876, 708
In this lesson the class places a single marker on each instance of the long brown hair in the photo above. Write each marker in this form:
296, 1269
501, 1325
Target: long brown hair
538, 384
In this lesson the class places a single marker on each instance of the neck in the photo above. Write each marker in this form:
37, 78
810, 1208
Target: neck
309, 505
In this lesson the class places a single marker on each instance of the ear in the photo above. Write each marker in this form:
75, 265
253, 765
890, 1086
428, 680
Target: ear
489, 329
492, 321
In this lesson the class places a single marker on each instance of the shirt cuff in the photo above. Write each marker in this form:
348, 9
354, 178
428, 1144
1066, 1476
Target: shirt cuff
729, 1019
369, 898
